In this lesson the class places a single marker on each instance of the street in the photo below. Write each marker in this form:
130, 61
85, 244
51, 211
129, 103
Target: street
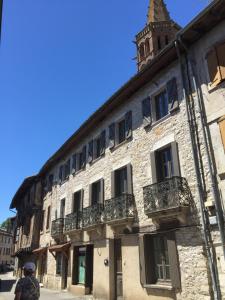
8, 286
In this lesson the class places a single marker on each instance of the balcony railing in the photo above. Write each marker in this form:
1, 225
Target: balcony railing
92, 215
57, 227
73, 221
119, 208
168, 194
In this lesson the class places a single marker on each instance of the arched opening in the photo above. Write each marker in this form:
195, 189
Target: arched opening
147, 46
142, 51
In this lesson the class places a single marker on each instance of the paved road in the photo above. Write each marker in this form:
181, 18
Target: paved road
8, 287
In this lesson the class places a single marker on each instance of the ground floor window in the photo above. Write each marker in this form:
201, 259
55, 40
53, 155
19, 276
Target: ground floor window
159, 262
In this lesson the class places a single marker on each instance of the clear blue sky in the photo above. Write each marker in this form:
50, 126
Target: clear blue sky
59, 61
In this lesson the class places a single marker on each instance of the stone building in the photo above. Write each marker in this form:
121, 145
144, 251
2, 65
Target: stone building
28, 203
6, 249
132, 203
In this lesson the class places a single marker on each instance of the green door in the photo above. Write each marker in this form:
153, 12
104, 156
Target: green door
81, 268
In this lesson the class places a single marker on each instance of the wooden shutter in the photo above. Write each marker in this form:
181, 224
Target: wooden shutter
173, 260
172, 94
175, 159
222, 130
112, 135
113, 184
102, 191
102, 142
153, 166
90, 194
129, 179
142, 260
74, 163
60, 174
221, 59
90, 151
84, 156
214, 72
89, 266
146, 111
75, 275
128, 124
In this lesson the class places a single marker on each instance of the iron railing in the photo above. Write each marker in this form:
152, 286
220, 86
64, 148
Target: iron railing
73, 221
119, 208
170, 193
57, 227
92, 215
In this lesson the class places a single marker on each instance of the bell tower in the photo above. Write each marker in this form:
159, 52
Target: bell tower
157, 34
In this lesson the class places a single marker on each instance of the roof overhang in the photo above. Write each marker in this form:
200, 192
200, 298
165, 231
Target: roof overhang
63, 248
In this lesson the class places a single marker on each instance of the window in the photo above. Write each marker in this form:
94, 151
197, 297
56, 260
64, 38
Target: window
96, 147
147, 47
165, 163
42, 219
166, 40
222, 129
146, 111
159, 260
161, 105
58, 263
77, 201
64, 171
50, 182
121, 130
216, 64
122, 181
62, 208
79, 160
97, 192
159, 43
142, 51
48, 217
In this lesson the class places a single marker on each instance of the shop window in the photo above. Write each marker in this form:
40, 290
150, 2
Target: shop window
216, 64
159, 260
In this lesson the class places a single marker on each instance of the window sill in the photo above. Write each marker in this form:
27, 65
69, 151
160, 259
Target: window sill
78, 172
159, 286
64, 181
121, 144
96, 159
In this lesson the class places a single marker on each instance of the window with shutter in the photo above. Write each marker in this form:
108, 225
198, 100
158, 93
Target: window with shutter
172, 94
112, 135
90, 151
50, 182
216, 64
74, 163
161, 105
61, 173
222, 129
97, 192
159, 260
48, 217
102, 142
84, 157
128, 124
146, 111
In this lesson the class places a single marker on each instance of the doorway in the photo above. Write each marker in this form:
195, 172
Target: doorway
64, 271
118, 269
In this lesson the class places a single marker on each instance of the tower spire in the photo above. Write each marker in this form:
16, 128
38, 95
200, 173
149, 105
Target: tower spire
158, 12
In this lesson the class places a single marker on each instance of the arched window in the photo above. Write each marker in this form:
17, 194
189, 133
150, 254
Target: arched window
147, 46
142, 51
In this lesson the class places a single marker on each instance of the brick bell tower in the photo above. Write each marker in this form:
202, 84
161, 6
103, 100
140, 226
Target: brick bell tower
158, 32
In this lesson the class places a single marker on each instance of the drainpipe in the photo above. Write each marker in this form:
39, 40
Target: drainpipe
204, 215
213, 176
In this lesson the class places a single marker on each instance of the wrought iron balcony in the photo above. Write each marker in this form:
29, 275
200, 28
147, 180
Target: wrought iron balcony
92, 215
119, 209
73, 221
57, 227
168, 196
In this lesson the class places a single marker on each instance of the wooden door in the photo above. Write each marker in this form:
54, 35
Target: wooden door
118, 270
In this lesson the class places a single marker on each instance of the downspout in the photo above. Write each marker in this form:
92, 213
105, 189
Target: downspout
204, 215
216, 197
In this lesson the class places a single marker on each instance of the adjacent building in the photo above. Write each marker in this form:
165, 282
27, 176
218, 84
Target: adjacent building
132, 205
6, 249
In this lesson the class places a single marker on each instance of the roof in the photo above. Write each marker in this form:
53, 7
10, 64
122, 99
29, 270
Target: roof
158, 11
204, 22
22, 190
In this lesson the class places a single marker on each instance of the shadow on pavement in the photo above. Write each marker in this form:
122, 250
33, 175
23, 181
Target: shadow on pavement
6, 285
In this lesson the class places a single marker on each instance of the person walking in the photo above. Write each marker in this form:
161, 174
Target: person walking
28, 287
